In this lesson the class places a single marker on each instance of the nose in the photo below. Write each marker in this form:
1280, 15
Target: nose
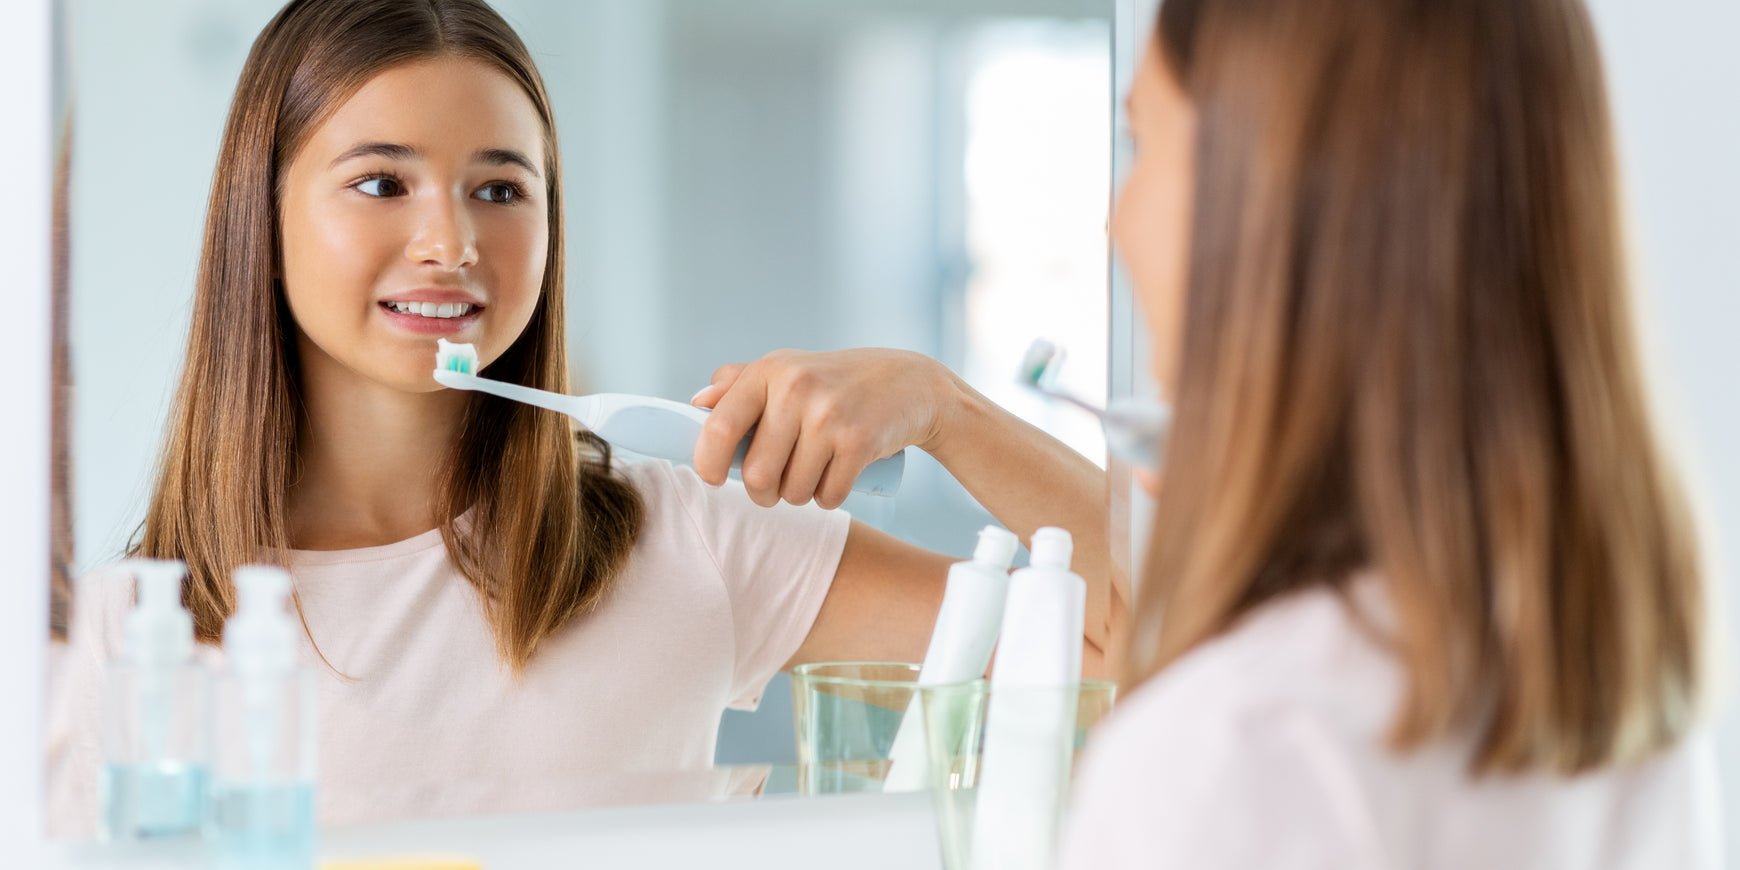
444, 236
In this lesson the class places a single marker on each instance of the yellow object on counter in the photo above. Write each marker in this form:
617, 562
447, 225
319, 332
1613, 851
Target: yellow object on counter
413, 863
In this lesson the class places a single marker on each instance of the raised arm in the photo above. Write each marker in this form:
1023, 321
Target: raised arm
820, 418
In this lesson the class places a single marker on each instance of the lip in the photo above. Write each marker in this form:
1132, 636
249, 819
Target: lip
436, 295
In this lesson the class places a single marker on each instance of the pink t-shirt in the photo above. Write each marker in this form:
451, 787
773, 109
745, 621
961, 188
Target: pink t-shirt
1265, 748
422, 718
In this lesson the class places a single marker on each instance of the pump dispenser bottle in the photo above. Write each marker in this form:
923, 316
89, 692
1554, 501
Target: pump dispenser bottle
960, 645
262, 799
155, 702
1030, 720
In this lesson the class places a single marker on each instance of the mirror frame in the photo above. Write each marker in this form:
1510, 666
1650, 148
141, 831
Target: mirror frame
24, 441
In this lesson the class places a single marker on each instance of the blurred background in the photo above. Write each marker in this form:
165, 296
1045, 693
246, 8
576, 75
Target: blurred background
739, 177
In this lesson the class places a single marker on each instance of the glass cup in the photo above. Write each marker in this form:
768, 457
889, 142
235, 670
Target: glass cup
956, 741
848, 715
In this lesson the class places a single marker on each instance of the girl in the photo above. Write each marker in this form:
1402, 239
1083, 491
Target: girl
1423, 591
506, 613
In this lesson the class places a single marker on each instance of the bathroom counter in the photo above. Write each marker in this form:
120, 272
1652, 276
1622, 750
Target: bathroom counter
773, 831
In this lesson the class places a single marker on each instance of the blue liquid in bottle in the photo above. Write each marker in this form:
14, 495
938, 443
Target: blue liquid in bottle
262, 826
149, 801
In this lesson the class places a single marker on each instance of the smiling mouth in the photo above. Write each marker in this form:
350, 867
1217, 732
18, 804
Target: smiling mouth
436, 310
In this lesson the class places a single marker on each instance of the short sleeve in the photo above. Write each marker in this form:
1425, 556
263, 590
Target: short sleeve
776, 564
1164, 785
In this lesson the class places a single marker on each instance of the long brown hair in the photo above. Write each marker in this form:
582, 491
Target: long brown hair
1408, 350
548, 526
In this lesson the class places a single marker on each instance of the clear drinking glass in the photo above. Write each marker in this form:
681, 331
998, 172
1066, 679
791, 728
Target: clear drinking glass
848, 713
956, 743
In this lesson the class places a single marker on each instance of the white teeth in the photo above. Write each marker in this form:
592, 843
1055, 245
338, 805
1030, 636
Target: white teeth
442, 310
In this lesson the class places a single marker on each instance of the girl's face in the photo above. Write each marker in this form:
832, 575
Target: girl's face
416, 211
1151, 223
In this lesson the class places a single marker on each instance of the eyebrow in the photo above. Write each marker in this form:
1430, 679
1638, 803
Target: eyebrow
396, 151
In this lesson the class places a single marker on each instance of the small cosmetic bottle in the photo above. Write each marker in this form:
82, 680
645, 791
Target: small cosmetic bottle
262, 794
155, 709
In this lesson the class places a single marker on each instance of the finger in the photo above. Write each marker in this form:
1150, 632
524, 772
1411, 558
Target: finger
733, 416
765, 465
708, 396
723, 377
836, 483
803, 472
727, 374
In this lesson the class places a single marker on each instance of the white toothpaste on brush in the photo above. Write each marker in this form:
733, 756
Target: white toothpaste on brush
960, 645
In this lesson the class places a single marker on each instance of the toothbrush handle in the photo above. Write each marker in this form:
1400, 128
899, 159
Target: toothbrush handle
669, 430
883, 476
612, 418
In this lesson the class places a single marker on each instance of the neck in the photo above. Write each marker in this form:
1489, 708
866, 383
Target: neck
371, 458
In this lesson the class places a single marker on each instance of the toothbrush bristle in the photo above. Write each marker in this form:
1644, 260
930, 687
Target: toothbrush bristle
455, 357
1041, 359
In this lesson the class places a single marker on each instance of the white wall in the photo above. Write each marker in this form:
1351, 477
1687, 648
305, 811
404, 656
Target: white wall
1674, 66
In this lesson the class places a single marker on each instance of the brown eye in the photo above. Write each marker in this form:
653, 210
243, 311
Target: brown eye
501, 192
380, 186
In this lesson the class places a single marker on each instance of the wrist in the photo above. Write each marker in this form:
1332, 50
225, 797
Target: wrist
958, 407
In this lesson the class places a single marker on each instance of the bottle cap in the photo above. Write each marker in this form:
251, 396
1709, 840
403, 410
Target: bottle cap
996, 547
159, 630
1052, 547
261, 635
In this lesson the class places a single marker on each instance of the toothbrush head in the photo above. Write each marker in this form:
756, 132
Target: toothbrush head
1040, 363
451, 357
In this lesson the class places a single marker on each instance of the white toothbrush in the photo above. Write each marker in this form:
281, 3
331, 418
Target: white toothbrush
1135, 430
646, 425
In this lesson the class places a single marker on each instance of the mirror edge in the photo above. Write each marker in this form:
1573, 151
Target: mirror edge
25, 245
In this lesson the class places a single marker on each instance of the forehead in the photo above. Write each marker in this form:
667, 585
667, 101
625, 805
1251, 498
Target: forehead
439, 106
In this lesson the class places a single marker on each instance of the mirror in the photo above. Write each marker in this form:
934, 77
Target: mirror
932, 175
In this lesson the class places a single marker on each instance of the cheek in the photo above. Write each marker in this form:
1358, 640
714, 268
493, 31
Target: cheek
1152, 230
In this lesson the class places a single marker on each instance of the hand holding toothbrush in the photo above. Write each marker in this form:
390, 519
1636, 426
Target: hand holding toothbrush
819, 418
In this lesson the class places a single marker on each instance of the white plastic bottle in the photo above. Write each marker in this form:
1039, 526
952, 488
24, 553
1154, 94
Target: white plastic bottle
155, 702
262, 797
960, 645
1030, 723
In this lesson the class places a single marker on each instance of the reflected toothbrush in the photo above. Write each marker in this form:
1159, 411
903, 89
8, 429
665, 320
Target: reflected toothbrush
645, 425
1135, 430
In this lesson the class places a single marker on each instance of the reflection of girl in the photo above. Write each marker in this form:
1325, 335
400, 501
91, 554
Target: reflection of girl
1422, 589
500, 610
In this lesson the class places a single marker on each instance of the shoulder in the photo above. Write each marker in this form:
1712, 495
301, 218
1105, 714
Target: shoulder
101, 600
1258, 736
1319, 652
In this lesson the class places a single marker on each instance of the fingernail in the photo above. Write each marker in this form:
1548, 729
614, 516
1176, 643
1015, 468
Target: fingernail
702, 392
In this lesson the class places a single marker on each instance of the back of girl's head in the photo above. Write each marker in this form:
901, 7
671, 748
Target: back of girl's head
1407, 347
232, 449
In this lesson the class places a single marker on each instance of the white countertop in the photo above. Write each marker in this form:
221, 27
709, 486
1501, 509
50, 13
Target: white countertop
841, 831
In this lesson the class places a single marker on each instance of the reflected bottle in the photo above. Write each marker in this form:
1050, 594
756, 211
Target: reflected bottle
262, 795
155, 702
